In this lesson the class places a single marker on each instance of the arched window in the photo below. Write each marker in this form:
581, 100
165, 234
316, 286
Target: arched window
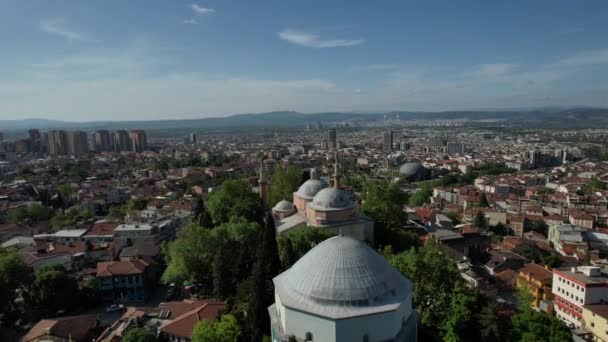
309, 336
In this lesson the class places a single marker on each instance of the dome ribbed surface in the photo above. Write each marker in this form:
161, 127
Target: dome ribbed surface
283, 205
342, 277
411, 169
309, 189
331, 199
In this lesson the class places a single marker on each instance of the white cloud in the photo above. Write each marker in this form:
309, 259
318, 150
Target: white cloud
57, 27
593, 57
190, 21
493, 70
314, 40
198, 9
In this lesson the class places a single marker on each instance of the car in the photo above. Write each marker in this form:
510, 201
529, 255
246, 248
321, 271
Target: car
114, 307
161, 305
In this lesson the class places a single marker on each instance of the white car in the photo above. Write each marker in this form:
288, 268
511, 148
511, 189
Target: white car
114, 307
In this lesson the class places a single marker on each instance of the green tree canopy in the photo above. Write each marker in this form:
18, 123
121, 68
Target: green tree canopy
139, 334
193, 255
16, 279
54, 290
227, 329
233, 198
530, 325
35, 212
302, 240
284, 182
423, 195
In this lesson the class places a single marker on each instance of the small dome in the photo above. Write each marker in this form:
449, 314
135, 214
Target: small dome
309, 189
283, 206
342, 277
331, 199
411, 169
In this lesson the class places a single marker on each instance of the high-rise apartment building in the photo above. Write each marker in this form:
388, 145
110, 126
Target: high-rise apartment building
103, 142
77, 143
453, 148
332, 138
138, 140
1, 137
388, 141
35, 140
57, 142
122, 141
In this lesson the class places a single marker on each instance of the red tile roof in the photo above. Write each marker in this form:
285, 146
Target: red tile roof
75, 327
183, 325
110, 268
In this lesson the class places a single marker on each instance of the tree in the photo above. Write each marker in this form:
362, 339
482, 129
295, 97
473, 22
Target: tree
423, 195
35, 212
283, 183
594, 184
483, 200
266, 267
384, 202
492, 326
529, 325
201, 215
191, 256
540, 226
302, 240
54, 290
139, 334
288, 255
456, 219
435, 277
16, 279
137, 203
480, 221
117, 212
226, 329
499, 229
233, 198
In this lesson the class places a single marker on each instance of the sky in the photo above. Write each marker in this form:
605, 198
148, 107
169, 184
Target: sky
170, 59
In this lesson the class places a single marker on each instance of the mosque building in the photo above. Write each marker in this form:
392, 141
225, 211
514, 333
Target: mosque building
316, 204
342, 290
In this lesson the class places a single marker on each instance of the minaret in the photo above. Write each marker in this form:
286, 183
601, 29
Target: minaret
337, 173
263, 184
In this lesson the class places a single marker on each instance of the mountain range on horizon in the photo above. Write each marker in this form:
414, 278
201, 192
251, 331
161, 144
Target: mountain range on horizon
576, 117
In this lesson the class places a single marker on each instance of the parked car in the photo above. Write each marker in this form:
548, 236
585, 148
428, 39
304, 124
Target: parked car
114, 307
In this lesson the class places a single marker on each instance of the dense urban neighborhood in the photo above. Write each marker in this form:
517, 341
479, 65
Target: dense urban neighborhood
391, 230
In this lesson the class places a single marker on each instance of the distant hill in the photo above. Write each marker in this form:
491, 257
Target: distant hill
548, 117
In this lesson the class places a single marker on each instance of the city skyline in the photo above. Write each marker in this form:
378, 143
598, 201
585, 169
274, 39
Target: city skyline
185, 59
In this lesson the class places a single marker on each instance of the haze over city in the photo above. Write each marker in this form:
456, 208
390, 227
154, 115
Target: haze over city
117, 60
303, 171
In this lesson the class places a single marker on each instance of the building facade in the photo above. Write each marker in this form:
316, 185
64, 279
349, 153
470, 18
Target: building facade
342, 290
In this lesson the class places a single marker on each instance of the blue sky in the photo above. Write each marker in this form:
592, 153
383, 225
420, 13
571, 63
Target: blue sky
156, 59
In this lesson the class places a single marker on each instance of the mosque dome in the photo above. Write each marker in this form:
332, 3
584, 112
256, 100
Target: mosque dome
309, 189
342, 277
331, 199
411, 169
283, 205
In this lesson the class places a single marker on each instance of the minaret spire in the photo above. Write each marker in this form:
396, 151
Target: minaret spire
263, 184
337, 172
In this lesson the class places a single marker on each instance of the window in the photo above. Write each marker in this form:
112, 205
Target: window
365, 338
309, 336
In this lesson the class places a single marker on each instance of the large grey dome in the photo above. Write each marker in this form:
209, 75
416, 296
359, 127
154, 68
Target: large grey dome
309, 189
331, 199
342, 277
411, 169
283, 206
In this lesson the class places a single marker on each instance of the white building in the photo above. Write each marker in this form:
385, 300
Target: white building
575, 287
342, 290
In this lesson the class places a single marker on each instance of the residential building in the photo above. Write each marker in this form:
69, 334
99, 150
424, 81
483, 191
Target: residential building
119, 281
595, 320
180, 328
538, 280
575, 287
75, 328
77, 142
121, 141
58, 143
332, 138
564, 233
103, 141
138, 140
387, 141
